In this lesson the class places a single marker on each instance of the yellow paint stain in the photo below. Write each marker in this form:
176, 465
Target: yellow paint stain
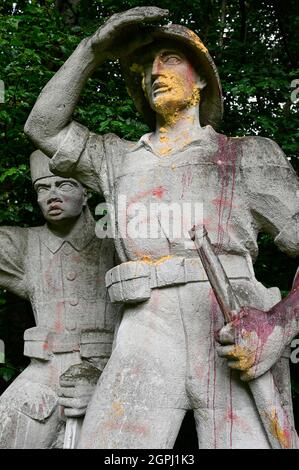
118, 409
191, 119
195, 97
163, 138
186, 138
197, 41
177, 89
173, 167
163, 130
244, 356
165, 151
155, 262
283, 435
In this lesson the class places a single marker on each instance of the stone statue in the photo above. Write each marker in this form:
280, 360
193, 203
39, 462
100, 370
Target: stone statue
60, 269
182, 173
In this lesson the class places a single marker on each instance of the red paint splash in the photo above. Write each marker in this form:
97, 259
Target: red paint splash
224, 203
127, 427
186, 181
212, 358
59, 310
263, 323
49, 273
251, 320
232, 417
157, 192
225, 159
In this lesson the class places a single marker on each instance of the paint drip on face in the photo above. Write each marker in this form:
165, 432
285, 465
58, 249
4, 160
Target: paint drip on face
174, 96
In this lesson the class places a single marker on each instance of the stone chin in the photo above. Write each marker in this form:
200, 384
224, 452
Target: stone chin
56, 218
169, 103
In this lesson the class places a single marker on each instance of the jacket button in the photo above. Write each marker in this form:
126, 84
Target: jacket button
74, 302
67, 249
71, 276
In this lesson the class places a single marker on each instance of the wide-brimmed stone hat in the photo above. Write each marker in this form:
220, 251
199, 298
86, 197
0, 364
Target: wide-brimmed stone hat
211, 103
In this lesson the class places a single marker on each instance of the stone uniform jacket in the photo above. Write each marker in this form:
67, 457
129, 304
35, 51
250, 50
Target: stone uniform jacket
65, 282
246, 185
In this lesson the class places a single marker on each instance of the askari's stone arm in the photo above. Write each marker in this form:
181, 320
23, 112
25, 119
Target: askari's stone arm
49, 118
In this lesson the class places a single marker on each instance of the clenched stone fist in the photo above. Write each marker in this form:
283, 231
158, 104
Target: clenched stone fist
77, 385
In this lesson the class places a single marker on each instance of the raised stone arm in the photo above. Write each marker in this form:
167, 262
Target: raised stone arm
48, 120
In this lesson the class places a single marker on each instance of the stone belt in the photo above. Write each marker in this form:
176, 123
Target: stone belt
133, 281
40, 343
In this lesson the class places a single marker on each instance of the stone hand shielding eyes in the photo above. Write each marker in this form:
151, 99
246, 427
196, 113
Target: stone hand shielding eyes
108, 40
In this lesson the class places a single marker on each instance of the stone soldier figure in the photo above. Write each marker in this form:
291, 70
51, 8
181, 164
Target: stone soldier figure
60, 269
165, 360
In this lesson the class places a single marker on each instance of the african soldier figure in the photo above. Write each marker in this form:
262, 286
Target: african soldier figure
60, 268
165, 360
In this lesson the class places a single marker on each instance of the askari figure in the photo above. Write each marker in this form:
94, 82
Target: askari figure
60, 268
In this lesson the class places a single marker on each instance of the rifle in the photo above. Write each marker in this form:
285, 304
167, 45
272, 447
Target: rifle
280, 432
72, 433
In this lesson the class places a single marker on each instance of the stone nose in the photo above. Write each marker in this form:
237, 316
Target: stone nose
53, 196
156, 67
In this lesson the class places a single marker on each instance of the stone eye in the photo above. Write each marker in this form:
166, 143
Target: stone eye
66, 186
171, 59
42, 190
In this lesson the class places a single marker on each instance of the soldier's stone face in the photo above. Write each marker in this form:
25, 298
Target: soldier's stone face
169, 80
60, 198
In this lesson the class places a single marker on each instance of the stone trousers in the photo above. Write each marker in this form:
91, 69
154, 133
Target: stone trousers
30, 417
164, 363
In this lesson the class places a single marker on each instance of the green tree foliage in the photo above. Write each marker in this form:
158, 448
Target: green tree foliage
253, 44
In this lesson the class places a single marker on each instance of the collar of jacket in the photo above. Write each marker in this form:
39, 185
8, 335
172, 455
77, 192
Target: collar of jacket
208, 134
79, 238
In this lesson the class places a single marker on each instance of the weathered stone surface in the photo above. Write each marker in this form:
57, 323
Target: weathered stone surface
60, 267
165, 358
